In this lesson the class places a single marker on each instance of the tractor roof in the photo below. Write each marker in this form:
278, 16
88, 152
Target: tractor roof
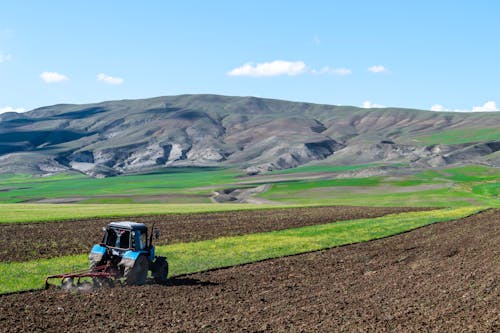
128, 225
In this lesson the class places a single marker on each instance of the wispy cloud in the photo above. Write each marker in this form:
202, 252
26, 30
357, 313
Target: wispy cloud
282, 67
377, 69
316, 40
109, 79
441, 108
11, 109
370, 105
332, 71
489, 106
273, 68
438, 108
486, 107
4, 57
53, 77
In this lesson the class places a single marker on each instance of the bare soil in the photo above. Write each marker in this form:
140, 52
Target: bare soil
51, 239
441, 278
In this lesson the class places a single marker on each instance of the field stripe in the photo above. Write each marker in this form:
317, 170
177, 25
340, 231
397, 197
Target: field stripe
23, 213
193, 257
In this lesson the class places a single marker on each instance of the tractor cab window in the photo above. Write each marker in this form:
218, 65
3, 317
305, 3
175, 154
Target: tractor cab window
124, 239
118, 238
138, 240
144, 240
110, 237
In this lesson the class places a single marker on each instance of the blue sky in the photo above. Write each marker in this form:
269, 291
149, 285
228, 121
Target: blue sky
416, 54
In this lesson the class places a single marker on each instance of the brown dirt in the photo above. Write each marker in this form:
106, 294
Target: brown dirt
441, 278
46, 240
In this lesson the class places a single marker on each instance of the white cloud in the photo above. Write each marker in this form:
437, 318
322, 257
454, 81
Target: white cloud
11, 109
486, 107
438, 108
377, 69
5, 57
281, 67
109, 79
441, 108
316, 40
489, 106
53, 77
332, 71
273, 68
370, 105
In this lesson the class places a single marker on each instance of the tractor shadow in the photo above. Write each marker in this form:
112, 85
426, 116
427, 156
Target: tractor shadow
180, 281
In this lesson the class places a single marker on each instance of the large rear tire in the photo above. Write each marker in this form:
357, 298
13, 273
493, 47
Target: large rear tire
160, 270
137, 274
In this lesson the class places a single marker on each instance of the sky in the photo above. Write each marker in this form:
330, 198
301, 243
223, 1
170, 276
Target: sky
439, 55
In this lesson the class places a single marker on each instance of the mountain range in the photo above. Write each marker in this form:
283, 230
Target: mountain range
255, 134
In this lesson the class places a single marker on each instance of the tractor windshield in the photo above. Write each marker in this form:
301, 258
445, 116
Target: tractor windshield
118, 238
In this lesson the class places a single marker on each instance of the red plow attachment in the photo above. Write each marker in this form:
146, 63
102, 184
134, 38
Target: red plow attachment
98, 274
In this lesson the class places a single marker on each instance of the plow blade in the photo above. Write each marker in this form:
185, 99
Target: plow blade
68, 279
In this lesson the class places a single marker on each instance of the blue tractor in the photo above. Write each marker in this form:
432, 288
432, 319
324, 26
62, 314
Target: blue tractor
125, 254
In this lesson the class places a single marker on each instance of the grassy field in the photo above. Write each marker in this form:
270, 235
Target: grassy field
324, 168
447, 187
20, 213
178, 181
458, 136
229, 251
178, 185
450, 187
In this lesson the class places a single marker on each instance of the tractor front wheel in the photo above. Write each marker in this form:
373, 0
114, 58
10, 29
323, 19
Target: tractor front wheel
137, 274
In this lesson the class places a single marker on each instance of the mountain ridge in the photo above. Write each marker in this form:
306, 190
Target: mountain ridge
256, 134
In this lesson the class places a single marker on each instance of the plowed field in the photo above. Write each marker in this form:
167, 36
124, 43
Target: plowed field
50, 239
441, 278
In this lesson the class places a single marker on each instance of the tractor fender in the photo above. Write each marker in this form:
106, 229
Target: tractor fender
129, 258
97, 253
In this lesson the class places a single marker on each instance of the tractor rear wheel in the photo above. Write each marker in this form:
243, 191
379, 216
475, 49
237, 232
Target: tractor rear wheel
137, 274
160, 270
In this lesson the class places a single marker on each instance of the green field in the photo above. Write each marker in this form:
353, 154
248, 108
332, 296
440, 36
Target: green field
466, 188
181, 185
178, 190
458, 136
18, 213
449, 187
324, 168
229, 251
177, 181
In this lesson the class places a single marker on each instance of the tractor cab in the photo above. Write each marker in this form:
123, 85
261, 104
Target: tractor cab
126, 236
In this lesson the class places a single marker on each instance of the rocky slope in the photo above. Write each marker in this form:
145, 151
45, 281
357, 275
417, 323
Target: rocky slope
255, 134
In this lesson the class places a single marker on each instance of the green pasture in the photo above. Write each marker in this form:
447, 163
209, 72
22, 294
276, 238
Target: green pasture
193, 257
324, 168
470, 173
19, 213
177, 189
458, 136
448, 187
178, 181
